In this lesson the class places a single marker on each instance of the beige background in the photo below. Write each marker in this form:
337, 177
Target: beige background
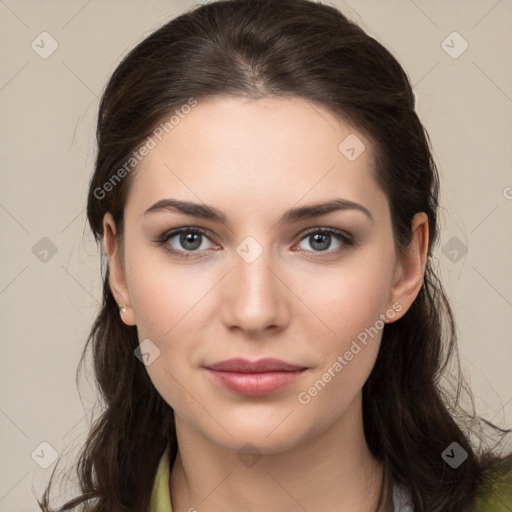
48, 109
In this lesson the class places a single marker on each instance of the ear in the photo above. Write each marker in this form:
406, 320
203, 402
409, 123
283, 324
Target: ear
410, 267
117, 278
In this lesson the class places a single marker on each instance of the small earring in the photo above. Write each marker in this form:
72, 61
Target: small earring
122, 308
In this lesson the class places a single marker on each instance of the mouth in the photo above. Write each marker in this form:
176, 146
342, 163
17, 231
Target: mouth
254, 378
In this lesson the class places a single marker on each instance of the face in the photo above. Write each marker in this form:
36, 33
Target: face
255, 273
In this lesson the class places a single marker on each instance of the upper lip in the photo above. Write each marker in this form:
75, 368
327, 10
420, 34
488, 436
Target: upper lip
268, 364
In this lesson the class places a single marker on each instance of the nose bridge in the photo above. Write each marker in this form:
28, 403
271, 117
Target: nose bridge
255, 296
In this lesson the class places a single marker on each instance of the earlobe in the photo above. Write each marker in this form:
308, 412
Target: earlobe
410, 268
117, 277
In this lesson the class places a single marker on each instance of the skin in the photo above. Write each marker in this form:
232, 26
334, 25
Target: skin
254, 159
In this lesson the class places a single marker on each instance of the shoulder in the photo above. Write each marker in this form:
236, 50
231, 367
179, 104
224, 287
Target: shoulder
495, 492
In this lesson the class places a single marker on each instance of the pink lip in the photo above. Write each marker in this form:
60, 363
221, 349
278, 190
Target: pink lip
254, 378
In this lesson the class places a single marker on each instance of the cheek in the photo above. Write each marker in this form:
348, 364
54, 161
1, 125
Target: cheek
353, 306
350, 300
348, 356
167, 303
162, 294
163, 312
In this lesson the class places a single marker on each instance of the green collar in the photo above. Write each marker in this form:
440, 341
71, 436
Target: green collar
494, 495
160, 497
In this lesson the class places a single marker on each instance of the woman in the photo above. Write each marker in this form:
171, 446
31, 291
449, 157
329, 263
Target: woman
272, 332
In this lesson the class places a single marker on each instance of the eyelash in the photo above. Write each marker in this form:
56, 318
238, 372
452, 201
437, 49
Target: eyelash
346, 240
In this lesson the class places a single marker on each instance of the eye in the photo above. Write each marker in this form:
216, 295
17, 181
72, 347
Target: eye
188, 241
320, 239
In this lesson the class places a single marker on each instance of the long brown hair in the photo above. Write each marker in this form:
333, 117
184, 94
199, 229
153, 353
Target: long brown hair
292, 48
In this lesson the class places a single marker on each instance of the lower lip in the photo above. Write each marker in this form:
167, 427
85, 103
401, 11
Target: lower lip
255, 384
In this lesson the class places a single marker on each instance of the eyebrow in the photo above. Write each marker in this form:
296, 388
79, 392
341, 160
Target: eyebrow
292, 215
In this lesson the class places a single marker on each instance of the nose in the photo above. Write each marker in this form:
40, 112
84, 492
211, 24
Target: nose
255, 299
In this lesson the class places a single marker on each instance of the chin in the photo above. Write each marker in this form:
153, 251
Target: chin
267, 436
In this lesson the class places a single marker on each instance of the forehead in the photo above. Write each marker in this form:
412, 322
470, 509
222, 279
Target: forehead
254, 153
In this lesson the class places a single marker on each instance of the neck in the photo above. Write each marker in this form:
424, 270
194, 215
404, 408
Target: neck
332, 471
